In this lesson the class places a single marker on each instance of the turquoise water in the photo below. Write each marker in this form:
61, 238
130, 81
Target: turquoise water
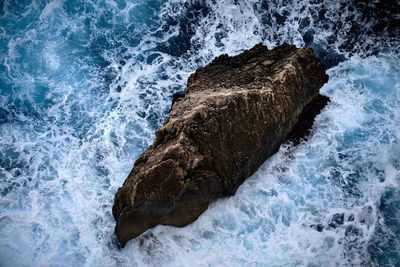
84, 85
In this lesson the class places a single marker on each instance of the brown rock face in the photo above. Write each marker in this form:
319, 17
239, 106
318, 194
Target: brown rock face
235, 113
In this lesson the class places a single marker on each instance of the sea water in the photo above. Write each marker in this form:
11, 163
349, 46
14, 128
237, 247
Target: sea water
84, 85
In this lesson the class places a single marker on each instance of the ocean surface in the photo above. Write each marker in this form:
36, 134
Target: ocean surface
85, 83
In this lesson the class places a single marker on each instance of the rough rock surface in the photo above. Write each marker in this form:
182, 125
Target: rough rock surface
234, 114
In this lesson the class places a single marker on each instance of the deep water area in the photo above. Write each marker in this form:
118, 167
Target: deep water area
85, 83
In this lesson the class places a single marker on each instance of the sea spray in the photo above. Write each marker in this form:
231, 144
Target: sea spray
84, 84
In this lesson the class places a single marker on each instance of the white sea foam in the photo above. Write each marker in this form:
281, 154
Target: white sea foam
80, 114
50, 7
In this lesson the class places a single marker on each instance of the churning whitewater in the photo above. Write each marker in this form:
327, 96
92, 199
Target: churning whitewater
84, 85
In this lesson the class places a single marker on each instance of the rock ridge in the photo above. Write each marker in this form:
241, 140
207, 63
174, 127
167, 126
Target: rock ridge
234, 114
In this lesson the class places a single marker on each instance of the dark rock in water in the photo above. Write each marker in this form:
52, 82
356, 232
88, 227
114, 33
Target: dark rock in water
234, 114
301, 129
308, 37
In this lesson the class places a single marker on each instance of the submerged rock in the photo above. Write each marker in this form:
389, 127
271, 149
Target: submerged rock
234, 114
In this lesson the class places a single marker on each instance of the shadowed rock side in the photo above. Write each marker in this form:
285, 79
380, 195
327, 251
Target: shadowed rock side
301, 130
234, 114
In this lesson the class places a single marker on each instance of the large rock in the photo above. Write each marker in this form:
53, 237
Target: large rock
234, 114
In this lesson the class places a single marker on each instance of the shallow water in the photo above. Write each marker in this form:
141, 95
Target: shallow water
84, 85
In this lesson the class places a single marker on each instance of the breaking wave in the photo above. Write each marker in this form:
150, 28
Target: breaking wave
84, 85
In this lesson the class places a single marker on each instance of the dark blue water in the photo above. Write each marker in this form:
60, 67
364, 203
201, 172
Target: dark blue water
84, 85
